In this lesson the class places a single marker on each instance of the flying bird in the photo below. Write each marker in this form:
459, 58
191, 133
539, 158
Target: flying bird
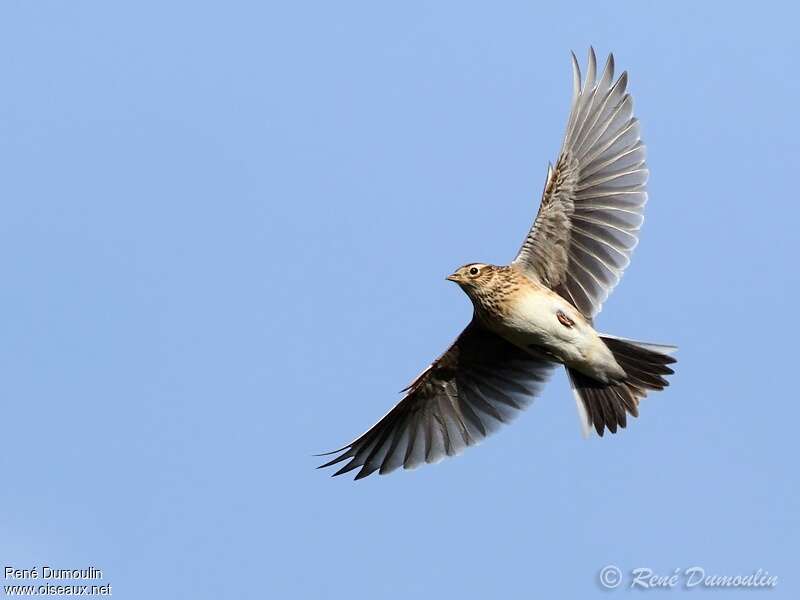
537, 312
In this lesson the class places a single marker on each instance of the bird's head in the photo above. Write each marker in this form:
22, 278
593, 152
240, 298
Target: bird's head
474, 278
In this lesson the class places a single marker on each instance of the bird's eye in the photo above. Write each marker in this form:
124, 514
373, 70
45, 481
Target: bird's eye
473, 271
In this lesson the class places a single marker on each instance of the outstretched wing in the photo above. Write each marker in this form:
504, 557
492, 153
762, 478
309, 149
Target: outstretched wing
592, 206
479, 383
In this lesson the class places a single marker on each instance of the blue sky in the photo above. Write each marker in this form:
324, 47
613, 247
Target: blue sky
224, 237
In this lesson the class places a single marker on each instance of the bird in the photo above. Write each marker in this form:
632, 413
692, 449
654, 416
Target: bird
537, 313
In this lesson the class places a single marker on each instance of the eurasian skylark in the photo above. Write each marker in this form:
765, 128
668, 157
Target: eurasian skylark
537, 312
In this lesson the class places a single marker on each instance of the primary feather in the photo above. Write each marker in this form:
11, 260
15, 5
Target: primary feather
593, 203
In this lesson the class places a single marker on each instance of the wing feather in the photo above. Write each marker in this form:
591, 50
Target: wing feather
593, 203
479, 383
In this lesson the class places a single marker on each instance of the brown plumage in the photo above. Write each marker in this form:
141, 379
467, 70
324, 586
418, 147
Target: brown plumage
537, 312
493, 288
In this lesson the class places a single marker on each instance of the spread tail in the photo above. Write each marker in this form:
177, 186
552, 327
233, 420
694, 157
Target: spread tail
604, 405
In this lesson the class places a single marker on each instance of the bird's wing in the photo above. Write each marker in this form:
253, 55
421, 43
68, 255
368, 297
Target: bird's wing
480, 382
591, 210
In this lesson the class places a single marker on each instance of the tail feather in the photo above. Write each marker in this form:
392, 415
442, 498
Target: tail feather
604, 405
658, 348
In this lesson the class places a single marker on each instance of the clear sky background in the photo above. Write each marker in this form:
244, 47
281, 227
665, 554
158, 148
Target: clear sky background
224, 233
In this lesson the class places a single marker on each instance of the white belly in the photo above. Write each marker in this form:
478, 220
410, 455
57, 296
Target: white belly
533, 322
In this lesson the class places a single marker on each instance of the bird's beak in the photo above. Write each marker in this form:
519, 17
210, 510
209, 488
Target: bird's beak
454, 277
